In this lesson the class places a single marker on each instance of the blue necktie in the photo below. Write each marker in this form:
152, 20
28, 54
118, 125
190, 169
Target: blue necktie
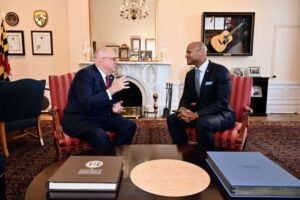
197, 81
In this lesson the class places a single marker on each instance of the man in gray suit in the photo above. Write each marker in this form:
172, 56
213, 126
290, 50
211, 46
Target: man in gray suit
204, 104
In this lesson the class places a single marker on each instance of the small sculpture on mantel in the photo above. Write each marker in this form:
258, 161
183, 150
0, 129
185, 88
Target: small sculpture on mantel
161, 49
86, 50
155, 106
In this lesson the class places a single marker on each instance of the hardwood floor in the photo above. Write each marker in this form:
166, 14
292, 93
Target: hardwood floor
270, 117
278, 117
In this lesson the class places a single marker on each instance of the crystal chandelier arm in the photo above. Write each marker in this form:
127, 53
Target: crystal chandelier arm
134, 9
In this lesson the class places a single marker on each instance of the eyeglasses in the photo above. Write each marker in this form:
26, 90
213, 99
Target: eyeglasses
111, 58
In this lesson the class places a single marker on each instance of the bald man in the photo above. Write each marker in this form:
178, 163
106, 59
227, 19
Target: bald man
204, 104
92, 107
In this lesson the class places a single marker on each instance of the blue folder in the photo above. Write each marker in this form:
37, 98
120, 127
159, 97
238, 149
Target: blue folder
251, 174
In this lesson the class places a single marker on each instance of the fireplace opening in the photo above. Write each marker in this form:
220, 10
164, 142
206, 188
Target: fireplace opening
132, 101
131, 96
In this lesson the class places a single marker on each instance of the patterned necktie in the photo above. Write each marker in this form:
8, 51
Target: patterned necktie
197, 81
107, 81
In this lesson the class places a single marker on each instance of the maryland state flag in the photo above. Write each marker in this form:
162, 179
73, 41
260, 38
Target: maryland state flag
4, 65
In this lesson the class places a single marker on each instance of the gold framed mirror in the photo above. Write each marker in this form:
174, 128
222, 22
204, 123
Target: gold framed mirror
108, 28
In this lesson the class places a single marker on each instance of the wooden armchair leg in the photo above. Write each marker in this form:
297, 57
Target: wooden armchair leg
58, 157
244, 144
57, 152
39, 131
3, 138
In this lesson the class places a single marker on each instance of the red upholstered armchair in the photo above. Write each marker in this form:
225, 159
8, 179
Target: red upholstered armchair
240, 97
59, 87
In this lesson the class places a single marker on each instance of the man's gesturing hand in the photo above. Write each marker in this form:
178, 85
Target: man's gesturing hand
117, 108
118, 84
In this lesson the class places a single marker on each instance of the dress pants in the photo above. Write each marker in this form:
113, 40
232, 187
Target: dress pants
124, 129
205, 127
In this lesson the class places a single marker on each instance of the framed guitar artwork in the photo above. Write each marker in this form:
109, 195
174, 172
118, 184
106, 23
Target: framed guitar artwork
228, 33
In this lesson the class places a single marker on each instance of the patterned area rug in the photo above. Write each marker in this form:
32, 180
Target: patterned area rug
27, 159
279, 141
150, 131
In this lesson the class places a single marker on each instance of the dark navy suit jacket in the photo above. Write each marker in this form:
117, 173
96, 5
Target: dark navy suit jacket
215, 92
88, 104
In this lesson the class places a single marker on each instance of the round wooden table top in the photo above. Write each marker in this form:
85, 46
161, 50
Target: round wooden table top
170, 178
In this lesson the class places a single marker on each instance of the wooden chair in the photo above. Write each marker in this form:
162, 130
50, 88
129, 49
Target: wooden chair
233, 139
59, 87
20, 108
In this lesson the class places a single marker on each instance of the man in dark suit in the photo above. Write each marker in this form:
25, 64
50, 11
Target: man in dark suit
92, 107
205, 100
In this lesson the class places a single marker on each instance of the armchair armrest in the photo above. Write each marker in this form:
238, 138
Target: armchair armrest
58, 129
247, 112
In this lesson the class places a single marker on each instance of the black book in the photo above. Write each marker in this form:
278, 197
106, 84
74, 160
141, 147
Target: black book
80, 195
87, 173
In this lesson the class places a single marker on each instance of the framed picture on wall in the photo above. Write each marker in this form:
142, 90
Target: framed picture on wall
135, 44
134, 56
41, 42
15, 40
254, 71
256, 91
145, 55
238, 71
228, 33
150, 46
115, 48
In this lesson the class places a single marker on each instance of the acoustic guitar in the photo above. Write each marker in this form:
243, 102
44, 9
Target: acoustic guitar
220, 42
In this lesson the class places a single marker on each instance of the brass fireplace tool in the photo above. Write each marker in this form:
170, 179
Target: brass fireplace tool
155, 106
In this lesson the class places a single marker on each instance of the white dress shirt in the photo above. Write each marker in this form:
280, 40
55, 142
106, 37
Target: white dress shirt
104, 79
202, 69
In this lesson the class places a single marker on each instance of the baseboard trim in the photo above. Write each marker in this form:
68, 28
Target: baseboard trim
283, 97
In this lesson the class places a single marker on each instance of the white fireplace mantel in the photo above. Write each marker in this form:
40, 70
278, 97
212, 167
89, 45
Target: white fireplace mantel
149, 77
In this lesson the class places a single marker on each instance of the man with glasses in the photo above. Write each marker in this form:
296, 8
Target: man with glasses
92, 107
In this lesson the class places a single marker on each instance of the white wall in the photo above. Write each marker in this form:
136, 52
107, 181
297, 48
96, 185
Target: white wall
78, 16
109, 28
40, 66
180, 22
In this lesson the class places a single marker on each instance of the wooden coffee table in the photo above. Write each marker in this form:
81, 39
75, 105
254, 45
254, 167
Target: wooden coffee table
134, 155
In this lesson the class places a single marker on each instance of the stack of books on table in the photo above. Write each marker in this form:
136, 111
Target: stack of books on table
86, 177
251, 174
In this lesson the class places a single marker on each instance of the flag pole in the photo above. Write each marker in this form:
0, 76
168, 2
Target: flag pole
4, 64
2, 15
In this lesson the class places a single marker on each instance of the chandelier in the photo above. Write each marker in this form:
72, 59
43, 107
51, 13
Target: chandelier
134, 9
